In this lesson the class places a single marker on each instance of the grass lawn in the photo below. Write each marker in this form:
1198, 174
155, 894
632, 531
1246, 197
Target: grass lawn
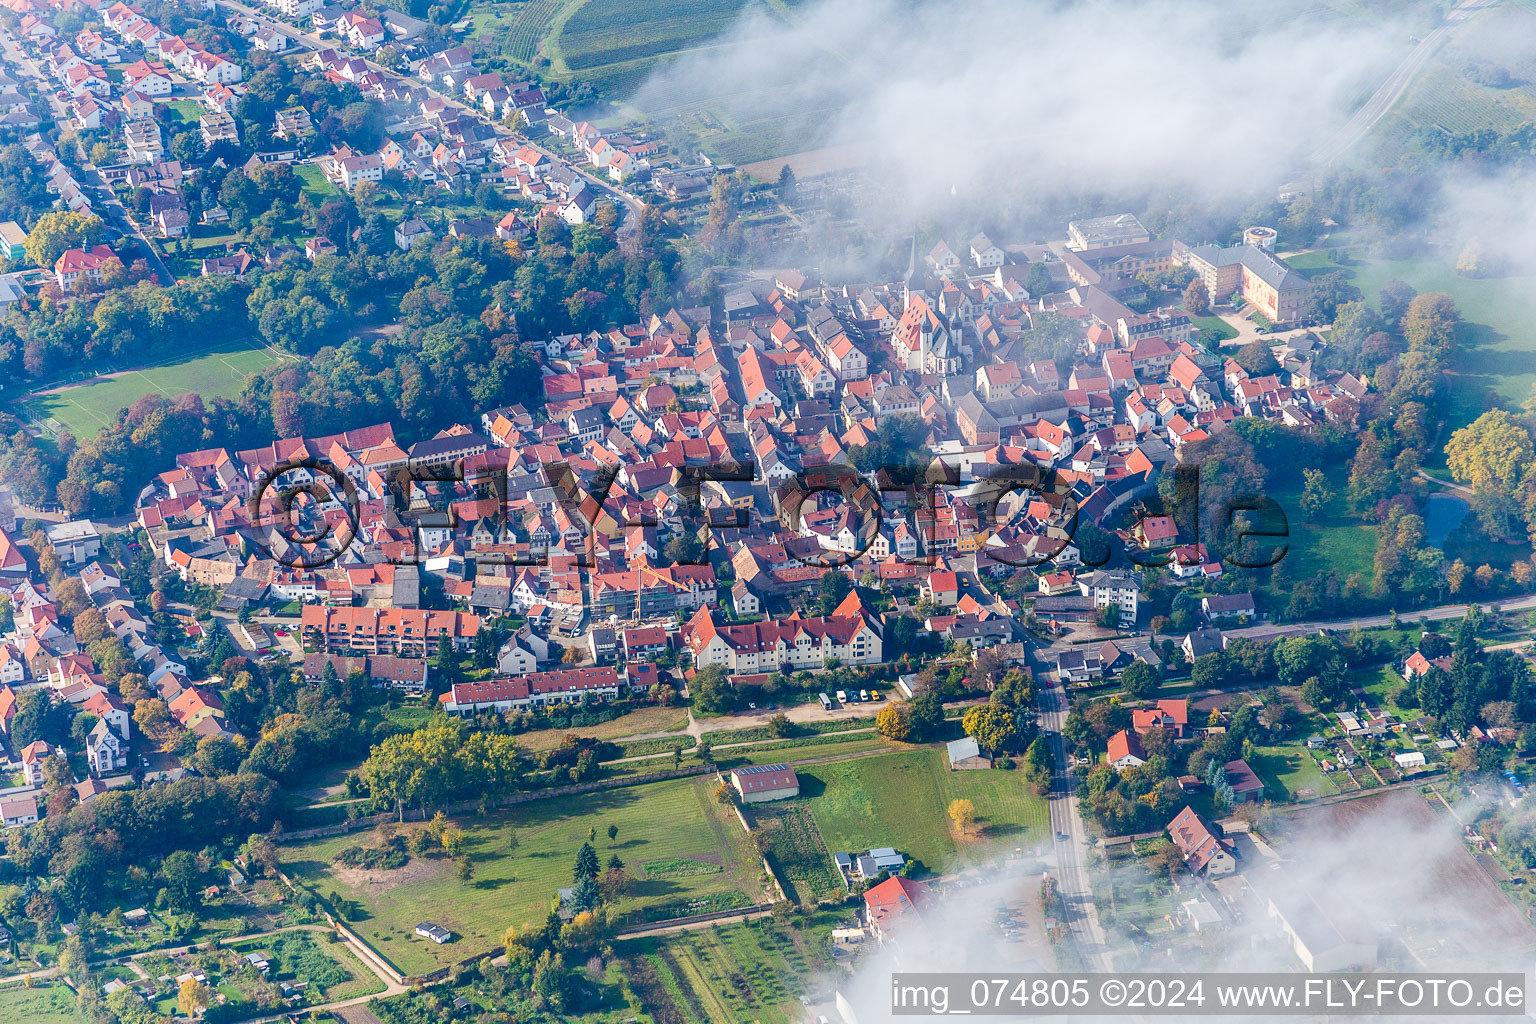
52, 1005
86, 408
1288, 769
1214, 323
1335, 540
675, 819
733, 974
314, 182
1497, 345
189, 111
902, 800
1384, 685
644, 720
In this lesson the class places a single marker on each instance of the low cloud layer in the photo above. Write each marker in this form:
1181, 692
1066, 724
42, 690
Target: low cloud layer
971, 98
1391, 868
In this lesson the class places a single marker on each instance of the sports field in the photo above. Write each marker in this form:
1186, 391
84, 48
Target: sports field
85, 408
902, 800
661, 824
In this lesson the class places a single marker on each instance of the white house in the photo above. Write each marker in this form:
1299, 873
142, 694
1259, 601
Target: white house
104, 751
984, 254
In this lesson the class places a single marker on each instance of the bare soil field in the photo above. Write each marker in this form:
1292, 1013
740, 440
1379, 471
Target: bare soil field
1409, 847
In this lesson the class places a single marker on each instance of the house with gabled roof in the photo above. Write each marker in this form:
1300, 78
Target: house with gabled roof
1204, 853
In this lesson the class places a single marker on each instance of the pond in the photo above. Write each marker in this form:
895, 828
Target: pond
1442, 514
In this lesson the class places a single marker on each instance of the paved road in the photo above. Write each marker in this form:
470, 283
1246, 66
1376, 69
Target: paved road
1364, 119
1070, 838
1445, 611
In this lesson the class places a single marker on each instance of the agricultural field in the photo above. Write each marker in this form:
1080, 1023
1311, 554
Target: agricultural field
602, 32
851, 804
749, 972
85, 408
1360, 843
657, 822
53, 1004
306, 956
797, 853
617, 45
1481, 78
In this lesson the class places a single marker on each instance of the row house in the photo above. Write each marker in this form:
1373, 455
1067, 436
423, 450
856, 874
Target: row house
400, 631
787, 644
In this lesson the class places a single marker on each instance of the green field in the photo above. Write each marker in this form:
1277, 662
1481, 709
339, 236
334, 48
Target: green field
314, 181
676, 819
797, 853
1335, 540
1287, 770
1385, 685
85, 408
901, 800
52, 1005
604, 32
1223, 329
302, 956
1496, 352
732, 974
188, 111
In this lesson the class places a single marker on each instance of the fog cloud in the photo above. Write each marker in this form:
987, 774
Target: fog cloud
1009, 99
1392, 868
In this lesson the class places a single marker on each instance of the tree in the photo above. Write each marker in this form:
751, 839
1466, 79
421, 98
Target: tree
549, 979
1430, 323
192, 997
1139, 680
1257, 359
1039, 765
927, 715
1492, 452
780, 727
465, 869
182, 879
711, 692
963, 813
833, 588
1327, 292
787, 185
894, 721
993, 726
59, 230
586, 863
1317, 496
613, 833
1394, 298
1197, 300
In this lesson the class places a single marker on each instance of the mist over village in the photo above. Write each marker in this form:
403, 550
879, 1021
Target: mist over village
766, 511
